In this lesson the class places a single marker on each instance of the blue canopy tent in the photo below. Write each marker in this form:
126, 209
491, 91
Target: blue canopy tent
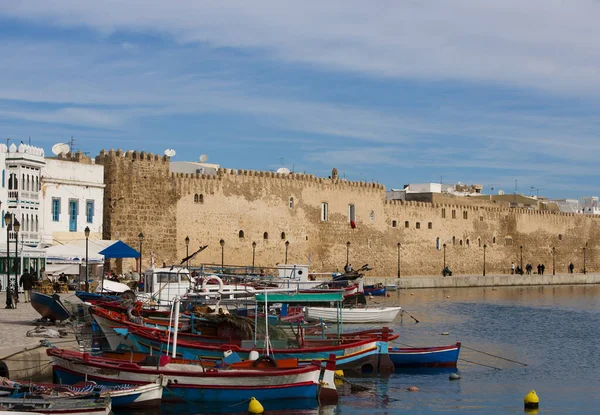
118, 250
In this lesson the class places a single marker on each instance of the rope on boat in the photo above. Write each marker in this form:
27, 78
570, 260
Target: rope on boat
496, 356
354, 387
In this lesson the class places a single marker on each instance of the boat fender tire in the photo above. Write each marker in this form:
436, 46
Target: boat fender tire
267, 359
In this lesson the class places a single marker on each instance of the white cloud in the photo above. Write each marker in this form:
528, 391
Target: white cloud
546, 44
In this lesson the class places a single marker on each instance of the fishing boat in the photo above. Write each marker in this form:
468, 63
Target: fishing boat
422, 357
49, 306
131, 396
56, 406
196, 383
352, 315
96, 298
374, 289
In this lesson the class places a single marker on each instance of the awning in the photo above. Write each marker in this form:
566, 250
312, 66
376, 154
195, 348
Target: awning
119, 250
74, 251
300, 297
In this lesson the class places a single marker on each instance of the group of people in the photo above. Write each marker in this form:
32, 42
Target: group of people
528, 269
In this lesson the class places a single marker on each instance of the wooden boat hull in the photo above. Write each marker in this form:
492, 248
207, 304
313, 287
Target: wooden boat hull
49, 306
371, 290
363, 355
423, 357
353, 315
192, 382
56, 406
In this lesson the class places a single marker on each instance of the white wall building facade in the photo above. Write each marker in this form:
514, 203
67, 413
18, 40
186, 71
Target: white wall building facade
20, 195
73, 196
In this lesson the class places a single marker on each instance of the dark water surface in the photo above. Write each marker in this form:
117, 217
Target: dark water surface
554, 330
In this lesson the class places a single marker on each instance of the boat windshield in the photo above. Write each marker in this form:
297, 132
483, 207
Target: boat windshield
169, 277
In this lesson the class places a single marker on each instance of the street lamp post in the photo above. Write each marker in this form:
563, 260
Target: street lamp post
222, 243
444, 256
399, 244
8, 223
141, 239
521, 258
253, 255
553, 261
17, 228
347, 252
287, 244
87, 273
484, 248
187, 251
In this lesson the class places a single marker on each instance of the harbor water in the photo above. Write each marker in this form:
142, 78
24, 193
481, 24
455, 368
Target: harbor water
551, 329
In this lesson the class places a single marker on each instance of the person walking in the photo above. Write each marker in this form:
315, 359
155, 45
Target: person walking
26, 281
542, 267
571, 267
512, 268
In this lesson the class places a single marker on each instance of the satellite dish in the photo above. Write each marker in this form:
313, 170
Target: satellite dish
59, 148
500, 192
283, 170
170, 152
203, 158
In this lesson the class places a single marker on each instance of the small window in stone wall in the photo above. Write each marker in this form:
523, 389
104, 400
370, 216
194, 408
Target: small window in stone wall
430, 225
282, 235
465, 215
494, 240
291, 202
443, 213
266, 235
460, 242
508, 241
406, 224
560, 236
196, 198
454, 240
307, 237
201, 198
372, 216
241, 234
453, 213
438, 246
481, 218
394, 224
418, 225
479, 242
369, 244
468, 243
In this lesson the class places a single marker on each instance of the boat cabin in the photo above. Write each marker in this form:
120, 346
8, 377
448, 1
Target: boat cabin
164, 284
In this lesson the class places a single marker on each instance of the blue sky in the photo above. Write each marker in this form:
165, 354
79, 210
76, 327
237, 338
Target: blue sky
396, 92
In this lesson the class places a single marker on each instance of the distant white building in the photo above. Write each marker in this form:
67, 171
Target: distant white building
567, 205
192, 167
458, 189
589, 205
73, 197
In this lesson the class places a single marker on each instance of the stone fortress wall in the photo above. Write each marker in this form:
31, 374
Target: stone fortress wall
241, 207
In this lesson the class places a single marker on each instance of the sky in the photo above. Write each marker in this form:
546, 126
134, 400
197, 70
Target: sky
504, 94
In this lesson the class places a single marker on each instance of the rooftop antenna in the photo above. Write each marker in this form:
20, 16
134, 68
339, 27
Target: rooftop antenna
29, 140
203, 158
170, 152
72, 144
7, 140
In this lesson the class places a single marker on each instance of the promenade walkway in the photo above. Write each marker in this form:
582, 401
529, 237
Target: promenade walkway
493, 280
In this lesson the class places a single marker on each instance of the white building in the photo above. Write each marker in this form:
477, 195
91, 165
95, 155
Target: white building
589, 205
73, 195
192, 167
20, 192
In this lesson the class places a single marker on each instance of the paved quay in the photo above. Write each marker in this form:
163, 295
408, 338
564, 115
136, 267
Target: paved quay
493, 280
22, 356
